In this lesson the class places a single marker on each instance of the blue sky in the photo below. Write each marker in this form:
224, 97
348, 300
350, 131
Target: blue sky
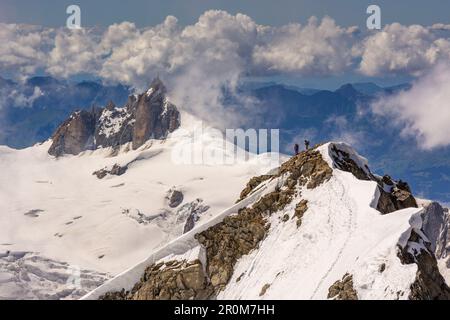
148, 12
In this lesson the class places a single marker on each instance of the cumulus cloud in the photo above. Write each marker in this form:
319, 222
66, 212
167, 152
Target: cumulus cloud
399, 49
23, 49
128, 54
135, 56
319, 48
72, 54
423, 112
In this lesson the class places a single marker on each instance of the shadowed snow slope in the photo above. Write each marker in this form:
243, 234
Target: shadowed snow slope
295, 234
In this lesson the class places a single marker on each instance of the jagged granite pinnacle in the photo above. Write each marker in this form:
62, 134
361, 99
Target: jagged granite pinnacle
146, 116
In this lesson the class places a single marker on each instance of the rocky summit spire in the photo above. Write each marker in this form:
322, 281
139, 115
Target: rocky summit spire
148, 116
157, 87
155, 115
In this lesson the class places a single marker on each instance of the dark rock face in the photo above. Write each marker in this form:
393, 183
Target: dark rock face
394, 195
146, 116
190, 223
175, 198
191, 212
343, 289
429, 283
436, 226
75, 134
344, 162
155, 116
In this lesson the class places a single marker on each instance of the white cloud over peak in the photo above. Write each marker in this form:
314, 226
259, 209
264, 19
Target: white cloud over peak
423, 112
399, 49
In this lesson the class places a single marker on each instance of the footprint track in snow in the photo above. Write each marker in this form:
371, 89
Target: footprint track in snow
351, 225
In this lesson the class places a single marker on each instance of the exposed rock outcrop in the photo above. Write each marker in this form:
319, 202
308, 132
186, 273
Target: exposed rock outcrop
116, 170
115, 125
264, 289
343, 289
174, 198
191, 212
394, 195
307, 167
252, 184
146, 116
300, 210
180, 280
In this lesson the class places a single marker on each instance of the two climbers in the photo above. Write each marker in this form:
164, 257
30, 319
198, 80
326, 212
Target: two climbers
296, 147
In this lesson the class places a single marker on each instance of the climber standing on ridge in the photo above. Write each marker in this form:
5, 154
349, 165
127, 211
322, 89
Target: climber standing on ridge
296, 148
306, 144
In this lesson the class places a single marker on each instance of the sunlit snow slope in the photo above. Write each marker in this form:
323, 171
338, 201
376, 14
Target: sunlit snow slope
57, 208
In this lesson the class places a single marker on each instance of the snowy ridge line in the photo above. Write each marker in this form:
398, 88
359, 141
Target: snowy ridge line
178, 246
415, 220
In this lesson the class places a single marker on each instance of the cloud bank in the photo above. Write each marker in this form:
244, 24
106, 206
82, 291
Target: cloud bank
127, 54
399, 49
423, 112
